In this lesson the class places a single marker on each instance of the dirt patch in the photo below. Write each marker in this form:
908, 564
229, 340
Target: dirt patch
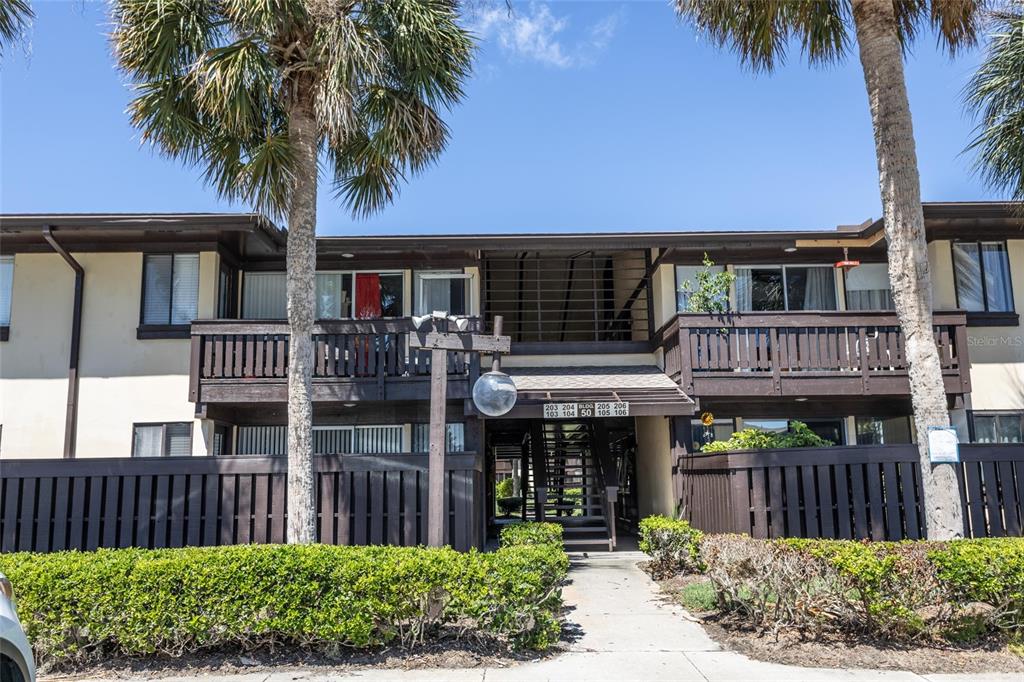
838, 652
444, 653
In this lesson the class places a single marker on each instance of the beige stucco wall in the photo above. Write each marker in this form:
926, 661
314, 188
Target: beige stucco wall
663, 289
122, 380
654, 466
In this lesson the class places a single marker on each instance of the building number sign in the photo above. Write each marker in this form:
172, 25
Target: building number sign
585, 410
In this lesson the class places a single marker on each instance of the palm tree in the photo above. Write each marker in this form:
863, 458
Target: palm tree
760, 31
996, 96
258, 94
15, 18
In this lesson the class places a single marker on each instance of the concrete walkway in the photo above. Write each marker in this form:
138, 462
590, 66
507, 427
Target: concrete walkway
624, 630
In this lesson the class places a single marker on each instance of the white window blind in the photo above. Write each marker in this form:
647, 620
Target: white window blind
378, 440
441, 291
867, 287
6, 287
170, 288
333, 295
263, 296
148, 441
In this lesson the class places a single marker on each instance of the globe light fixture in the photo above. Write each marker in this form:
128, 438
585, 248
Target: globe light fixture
494, 393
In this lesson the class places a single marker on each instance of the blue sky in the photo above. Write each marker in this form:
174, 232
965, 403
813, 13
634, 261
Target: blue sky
580, 116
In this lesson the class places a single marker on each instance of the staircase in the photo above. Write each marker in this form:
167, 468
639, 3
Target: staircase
576, 496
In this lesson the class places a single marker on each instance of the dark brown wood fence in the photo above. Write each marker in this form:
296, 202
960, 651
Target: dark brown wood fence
871, 492
51, 505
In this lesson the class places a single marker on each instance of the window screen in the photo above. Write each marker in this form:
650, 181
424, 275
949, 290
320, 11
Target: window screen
162, 440
170, 292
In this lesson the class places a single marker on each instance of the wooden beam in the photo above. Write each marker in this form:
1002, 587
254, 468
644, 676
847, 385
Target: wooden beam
448, 341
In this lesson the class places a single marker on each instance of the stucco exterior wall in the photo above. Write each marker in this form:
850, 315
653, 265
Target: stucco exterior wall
654, 466
997, 353
122, 380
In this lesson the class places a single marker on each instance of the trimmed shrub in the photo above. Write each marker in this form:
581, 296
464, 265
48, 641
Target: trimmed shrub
672, 545
799, 435
504, 488
79, 606
962, 591
531, 533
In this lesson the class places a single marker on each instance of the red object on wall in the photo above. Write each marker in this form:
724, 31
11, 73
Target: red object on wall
368, 296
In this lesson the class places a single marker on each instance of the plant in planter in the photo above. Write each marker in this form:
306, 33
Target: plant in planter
799, 435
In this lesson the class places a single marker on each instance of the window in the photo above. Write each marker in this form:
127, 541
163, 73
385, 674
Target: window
702, 435
333, 295
327, 440
831, 429
786, 287
227, 292
6, 287
686, 283
455, 437
378, 295
170, 293
221, 439
883, 430
173, 439
982, 272
1001, 427
445, 291
263, 296
868, 288
374, 295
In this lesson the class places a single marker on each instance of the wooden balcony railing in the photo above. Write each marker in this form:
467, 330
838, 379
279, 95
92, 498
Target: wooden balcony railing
822, 353
254, 353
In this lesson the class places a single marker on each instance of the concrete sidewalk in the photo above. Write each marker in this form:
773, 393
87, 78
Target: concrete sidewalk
624, 630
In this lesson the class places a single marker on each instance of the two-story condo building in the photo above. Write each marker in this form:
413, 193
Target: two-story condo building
163, 335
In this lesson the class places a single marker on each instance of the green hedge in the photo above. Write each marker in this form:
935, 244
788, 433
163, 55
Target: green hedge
799, 435
79, 606
673, 545
531, 533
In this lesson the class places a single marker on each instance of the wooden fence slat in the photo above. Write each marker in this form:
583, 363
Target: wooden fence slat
211, 510
127, 531
825, 510
778, 521
60, 514
991, 483
243, 529
44, 520
1011, 500
875, 509
161, 504
810, 503
12, 487
758, 504
279, 500
376, 507
261, 513
327, 509
228, 499
92, 530
793, 528
859, 502
893, 525
27, 518
844, 529
144, 512
195, 510
975, 499
409, 517
111, 505
394, 506
359, 485
908, 495
177, 512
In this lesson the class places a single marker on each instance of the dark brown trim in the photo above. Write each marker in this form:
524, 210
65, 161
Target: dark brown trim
986, 319
147, 332
5, 332
578, 347
71, 411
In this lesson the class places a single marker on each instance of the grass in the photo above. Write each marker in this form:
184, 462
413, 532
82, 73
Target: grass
697, 596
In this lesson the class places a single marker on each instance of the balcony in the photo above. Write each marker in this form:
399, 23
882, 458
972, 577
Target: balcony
246, 361
804, 354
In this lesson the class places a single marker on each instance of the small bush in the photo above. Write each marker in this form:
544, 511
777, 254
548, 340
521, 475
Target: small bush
672, 545
960, 591
509, 505
519, 534
799, 435
80, 606
699, 596
504, 488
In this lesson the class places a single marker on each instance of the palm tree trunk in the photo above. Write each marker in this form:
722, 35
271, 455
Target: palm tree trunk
882, 59
301, 276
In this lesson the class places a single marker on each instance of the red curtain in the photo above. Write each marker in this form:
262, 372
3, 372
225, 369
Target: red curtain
368, 296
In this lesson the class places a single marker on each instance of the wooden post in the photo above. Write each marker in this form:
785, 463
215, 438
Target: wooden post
435, 462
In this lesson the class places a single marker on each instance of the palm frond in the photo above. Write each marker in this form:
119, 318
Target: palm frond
995, 95
15, 18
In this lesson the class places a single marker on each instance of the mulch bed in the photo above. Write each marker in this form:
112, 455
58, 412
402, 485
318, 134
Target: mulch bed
443, 653
850, 652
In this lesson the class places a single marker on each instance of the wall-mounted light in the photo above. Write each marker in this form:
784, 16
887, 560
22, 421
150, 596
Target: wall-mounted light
348, 255
790, 249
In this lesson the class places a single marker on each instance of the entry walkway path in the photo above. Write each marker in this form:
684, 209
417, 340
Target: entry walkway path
623, 629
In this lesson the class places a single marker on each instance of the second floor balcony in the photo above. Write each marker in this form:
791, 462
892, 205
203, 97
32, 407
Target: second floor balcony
246, 361
804, 354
